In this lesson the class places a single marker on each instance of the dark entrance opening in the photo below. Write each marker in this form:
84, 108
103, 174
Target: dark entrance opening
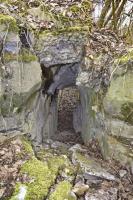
68, 99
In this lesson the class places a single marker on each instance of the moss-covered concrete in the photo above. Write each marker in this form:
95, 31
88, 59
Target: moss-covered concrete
9, 22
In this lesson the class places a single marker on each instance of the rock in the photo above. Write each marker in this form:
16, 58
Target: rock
22, 193
120, 151
122, 173
118, 102
16, 85
1, 192
77, 121
132, 168
61, 49
120, 128
94, 182
110, 194
66, 77
77, 147
79, 178
92, 179
59, 145
80, 188
73, 196
91, 167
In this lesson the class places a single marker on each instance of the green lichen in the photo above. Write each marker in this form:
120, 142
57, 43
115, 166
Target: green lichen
62, 192
27, 56
75, 9
24, 56
127, 112
9, 102
7, 57
9, 22
125, 58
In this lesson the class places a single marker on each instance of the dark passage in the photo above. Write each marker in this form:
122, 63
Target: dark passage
68, 99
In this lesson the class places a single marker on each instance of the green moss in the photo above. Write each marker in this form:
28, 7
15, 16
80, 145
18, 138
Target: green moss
27, 56
69, 30
17, 191
9, 102
62, 192
127, 112
42, 179
75, 9
9, 22
59, 161
24, 56
27, 146
42, 173
87, 5
7, 57
84, 7
83, 159
4, 1
125, 58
